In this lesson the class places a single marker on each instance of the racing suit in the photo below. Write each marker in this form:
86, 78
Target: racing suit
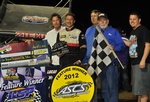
76, 45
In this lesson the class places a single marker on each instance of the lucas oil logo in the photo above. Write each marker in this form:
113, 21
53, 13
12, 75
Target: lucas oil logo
72, 84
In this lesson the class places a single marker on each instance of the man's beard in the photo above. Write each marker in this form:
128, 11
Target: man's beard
104, 26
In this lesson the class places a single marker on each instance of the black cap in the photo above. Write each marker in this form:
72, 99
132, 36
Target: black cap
102, 15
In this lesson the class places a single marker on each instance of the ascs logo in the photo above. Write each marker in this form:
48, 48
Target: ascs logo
72, 84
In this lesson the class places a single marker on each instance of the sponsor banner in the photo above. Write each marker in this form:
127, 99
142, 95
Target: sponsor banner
28, 62
23, 84
72, 84
25, 54
20, 34
6, 57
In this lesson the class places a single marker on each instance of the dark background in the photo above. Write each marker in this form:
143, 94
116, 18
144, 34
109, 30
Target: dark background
117, 11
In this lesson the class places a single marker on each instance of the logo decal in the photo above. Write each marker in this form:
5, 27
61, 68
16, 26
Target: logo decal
23, 95
11, 74
5, 49
34, 19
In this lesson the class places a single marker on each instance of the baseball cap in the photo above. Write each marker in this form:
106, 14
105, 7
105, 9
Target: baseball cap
102, 15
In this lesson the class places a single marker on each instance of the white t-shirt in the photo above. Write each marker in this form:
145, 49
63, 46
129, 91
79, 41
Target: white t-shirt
51, 37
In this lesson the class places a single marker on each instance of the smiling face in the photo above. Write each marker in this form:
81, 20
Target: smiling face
134, 21
103, 22
56, 22
69, 21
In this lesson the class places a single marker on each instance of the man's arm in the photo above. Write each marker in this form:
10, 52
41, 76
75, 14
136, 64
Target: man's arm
145, 55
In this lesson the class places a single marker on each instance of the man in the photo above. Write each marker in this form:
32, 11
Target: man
51, 35
140, 57
109, 74
90, 32
89, 37
75, 41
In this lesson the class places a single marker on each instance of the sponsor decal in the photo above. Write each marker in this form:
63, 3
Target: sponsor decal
43, 58
50, 77
5, 49
23, 95
63, 36
35, 19
30, 35
40, 51
51, 71
11, 74
72, 84
73, 37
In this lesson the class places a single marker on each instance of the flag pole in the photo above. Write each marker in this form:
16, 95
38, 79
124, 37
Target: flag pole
108, 45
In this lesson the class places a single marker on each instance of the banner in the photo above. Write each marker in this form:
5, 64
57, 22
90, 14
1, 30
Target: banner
23, 72
23, 84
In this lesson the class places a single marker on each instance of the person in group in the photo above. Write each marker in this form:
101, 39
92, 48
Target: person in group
51, 36
124, 77
140, 58
109, 75
75, 41
89, 37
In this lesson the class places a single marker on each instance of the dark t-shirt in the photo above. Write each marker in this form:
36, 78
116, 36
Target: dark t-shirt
142, 35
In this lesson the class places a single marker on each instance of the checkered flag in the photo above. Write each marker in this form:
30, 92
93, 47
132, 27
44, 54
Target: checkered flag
101, 55
6, 100
37, 97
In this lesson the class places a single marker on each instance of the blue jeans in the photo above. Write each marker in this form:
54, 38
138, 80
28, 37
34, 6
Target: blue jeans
109, 83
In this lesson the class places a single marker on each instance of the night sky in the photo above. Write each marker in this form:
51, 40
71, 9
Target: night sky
117, 11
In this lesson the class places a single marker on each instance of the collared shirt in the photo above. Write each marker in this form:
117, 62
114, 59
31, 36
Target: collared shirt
51, 37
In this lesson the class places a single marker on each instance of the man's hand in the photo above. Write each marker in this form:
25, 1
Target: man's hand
77, 62
142, 64
60, 55
111, 47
